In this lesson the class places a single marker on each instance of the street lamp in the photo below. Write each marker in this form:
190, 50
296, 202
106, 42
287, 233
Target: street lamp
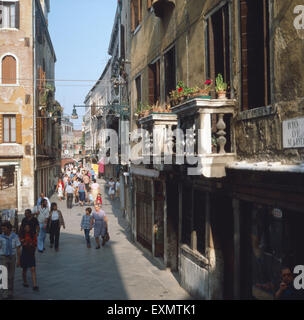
74, 114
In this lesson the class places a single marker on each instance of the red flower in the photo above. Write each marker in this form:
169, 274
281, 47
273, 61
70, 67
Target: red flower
180, 89
208, 82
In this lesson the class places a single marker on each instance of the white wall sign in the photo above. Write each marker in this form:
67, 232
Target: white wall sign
293, 133
277, 213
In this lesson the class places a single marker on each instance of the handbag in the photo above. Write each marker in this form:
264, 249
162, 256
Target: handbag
107, 236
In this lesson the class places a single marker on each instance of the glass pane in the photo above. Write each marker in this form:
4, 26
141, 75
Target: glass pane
13, 129
12, 15
6, 129
5, 16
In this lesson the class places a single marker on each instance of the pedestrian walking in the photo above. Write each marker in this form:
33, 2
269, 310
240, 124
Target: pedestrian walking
43, 215
86, 225
100, 223
9, 246
86, 180
99, 199
117, 188
81, 192
42, 196
28, 240
95, 189
55, 222
69, 193
59, 189
100, 168
112, 188
31, 220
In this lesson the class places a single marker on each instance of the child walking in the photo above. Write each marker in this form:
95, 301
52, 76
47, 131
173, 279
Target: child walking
99, 200
86, 225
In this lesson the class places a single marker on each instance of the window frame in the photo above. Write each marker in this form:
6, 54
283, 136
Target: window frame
9, 116
135, 24
16, 16
17, 71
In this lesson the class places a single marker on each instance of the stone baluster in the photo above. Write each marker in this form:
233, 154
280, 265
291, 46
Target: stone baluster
221, 126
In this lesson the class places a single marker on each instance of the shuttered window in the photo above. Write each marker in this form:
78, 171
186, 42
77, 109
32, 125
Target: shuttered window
255, 53
170, 72
154, 82
149, 4
218, 54
9, 14
136, 17
138, 90
9, 70
9, 129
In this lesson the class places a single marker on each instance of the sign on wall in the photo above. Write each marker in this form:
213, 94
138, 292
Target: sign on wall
293, 133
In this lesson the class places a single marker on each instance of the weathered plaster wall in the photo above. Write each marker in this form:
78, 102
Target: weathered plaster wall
12, 98
260, 138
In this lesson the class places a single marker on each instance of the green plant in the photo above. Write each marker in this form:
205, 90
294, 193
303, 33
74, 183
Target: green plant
47, 94
220, 84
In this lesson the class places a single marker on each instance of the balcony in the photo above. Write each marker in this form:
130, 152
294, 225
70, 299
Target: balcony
206, 126
157, 140
161, 7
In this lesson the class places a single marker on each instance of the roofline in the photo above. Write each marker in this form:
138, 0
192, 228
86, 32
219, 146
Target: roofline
110, 49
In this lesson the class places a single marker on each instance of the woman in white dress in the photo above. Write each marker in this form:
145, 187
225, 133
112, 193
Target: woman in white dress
112, 189
59, 189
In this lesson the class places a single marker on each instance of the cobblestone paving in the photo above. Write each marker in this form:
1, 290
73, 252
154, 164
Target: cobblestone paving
118, 271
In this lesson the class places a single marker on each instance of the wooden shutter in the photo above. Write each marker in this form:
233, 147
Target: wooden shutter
1, 128
151, 84
18, 128
1, 14
139, 11
9, 69
157, 81
132, 16
17, 15
244, 46
149, 4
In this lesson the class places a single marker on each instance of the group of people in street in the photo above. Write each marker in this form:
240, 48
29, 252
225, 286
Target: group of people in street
18, 250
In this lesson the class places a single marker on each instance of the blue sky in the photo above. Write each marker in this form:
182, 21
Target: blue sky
80, 32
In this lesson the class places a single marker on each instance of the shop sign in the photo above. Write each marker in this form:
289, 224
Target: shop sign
293, 133
277, 213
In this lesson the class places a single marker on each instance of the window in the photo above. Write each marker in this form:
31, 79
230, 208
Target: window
218, 55
9, 129
170, 73
154, 82
9, 14
8, 70
138, 90
255, 53
136, 6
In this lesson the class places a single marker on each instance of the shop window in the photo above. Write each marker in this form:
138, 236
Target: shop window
218, 53
170, 72
9, 14
255, 53
136, 7
9, 70
154, 82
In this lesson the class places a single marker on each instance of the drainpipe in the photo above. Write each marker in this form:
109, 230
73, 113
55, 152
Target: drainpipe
34, 95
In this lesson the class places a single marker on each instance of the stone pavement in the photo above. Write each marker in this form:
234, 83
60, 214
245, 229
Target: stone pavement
118, 271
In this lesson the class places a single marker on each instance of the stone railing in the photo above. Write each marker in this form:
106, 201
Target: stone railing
157, 140
208, 138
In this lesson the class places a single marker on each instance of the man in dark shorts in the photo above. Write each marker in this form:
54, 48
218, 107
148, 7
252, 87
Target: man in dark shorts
31, 221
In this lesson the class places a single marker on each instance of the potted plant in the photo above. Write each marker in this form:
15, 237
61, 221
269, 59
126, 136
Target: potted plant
174, 98
181, 91
220, 87
204, 89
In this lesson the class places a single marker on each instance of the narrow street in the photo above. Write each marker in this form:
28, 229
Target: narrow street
117, 271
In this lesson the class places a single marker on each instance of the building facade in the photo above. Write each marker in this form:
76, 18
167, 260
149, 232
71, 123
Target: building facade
228, 221
29, 158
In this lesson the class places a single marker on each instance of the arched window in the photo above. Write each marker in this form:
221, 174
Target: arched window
8, 70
